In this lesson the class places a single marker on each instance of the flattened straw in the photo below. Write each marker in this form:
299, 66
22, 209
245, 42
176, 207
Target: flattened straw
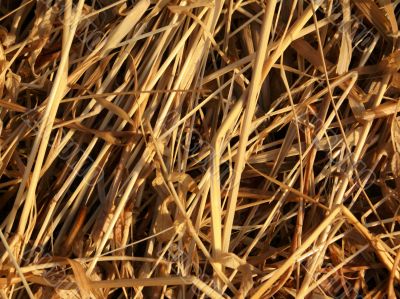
252, 94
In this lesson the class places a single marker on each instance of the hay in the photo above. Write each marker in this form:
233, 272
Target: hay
193, 149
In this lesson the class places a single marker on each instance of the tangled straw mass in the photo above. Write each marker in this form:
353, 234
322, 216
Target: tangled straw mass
199, 149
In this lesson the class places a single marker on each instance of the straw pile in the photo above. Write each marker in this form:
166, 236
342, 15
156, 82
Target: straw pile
195, 149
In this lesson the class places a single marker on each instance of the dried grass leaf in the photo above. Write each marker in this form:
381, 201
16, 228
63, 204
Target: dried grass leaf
375, 16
